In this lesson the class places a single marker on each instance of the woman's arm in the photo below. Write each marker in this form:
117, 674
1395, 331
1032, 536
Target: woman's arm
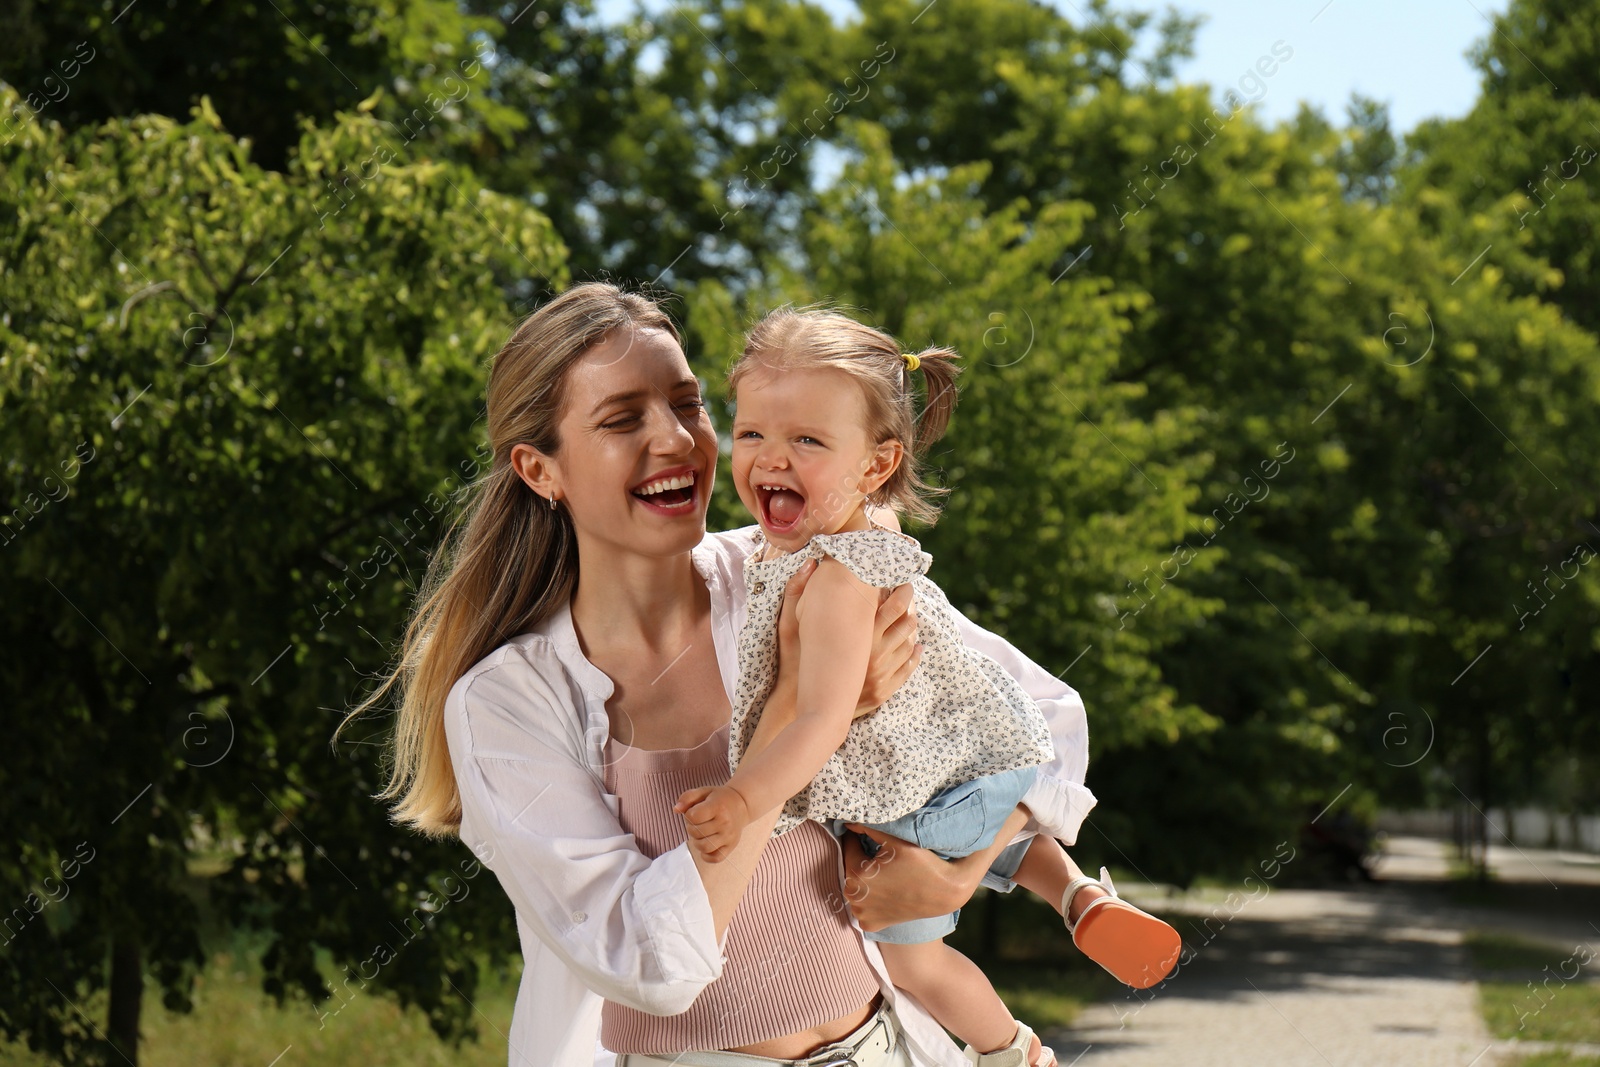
1058, 801
642, 932
636, 930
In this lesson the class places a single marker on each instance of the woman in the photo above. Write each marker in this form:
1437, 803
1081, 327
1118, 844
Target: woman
573, 650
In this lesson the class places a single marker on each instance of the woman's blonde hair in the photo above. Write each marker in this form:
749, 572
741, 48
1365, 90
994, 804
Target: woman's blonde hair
795, 338
509, 560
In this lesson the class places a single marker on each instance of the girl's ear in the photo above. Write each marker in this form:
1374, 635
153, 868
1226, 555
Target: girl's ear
537, 470
885, 461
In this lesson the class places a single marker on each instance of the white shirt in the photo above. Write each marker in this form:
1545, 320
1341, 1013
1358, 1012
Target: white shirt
598, 919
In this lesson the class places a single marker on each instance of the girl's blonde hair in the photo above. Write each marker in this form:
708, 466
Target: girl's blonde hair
509, 560
796, 338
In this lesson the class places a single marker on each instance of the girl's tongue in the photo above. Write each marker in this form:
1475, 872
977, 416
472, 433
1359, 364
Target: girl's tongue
784, 507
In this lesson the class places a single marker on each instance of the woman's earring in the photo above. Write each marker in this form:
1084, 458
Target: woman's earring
552, 499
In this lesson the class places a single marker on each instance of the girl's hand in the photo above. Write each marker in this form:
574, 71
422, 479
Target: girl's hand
902, 882
895, 652
714, 817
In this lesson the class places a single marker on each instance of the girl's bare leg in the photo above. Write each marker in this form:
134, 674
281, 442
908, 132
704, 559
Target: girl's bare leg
1046, 870
955, 992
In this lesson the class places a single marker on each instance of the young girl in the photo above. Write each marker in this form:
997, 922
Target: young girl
825, 424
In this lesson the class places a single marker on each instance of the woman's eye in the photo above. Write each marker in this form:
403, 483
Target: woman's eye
692, 405
617, 424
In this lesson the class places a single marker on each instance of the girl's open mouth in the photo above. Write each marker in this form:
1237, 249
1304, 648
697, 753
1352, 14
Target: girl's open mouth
672, 493
782, 508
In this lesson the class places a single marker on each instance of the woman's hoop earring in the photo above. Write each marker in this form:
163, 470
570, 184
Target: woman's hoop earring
552, 500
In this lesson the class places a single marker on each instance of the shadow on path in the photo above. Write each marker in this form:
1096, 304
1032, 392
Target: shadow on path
1366, 975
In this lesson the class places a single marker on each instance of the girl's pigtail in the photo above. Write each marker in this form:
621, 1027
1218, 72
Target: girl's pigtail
939, 367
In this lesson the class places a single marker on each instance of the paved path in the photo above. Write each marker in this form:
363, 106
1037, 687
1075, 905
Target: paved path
1370, 975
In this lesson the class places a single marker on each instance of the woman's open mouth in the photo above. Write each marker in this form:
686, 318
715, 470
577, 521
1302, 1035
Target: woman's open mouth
669, 493
782, 508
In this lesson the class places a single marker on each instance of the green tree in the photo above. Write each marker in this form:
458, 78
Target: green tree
1062, 490
1514, 180
1307, 308
1528, 154
265, 67
236, 414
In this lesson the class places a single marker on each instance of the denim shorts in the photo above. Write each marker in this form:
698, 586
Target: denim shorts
956, 822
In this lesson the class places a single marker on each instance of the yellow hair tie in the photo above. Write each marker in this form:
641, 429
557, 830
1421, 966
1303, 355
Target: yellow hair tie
912, 362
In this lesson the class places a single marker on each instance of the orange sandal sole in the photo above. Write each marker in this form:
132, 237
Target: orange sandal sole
1137, 948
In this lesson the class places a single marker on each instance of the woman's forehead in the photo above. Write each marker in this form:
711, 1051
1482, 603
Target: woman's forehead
629, 358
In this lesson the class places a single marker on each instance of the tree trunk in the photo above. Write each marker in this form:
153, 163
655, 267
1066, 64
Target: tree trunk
1485, 766
127, 993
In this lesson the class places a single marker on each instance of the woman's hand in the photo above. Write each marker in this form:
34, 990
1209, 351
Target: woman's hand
895, 652
902, 882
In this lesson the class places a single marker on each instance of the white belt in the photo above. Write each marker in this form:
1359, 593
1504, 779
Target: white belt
869, 1046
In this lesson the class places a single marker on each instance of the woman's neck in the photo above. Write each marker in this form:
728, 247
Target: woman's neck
638, 602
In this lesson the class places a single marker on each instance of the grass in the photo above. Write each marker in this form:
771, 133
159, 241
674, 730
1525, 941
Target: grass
1018, 940
235, 1024
1047, 997
1558, 1059
1536, 992
1505, 952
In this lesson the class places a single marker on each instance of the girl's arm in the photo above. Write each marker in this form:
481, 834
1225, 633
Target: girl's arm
836, 631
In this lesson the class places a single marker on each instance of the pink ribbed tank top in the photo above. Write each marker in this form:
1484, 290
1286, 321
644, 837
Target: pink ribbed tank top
793, 960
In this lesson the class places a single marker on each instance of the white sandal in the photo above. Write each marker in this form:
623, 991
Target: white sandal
1137, 948
1014, 1054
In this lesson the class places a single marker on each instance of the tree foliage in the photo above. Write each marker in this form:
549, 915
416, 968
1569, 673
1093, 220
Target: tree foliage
235, 416
1294, 305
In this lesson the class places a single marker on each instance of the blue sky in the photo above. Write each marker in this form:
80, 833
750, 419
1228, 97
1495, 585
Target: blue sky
1410, 53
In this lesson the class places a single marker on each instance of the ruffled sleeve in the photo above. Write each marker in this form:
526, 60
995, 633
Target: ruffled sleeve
881, 558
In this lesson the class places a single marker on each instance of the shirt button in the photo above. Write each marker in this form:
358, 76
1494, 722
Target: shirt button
579, 916
755, 590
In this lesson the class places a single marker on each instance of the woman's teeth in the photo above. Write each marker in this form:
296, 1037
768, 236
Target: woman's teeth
671, 495
681, 481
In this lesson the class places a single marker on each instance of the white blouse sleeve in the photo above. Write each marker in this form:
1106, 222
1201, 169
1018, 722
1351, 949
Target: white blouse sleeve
634, 930
1058, 800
